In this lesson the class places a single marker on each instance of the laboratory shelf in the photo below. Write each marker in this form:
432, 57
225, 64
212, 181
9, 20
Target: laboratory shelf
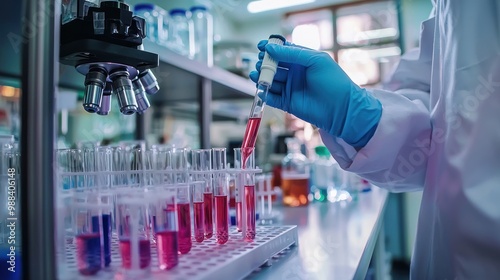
208, 260
180, 77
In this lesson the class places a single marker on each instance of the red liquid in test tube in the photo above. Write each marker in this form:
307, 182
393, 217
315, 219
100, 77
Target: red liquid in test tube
209, 223
250, 137
184, 220
250, 215
166, 243
199, 213
144, 253
221, 218
88, 253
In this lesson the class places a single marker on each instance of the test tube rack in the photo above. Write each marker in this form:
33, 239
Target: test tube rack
207, 260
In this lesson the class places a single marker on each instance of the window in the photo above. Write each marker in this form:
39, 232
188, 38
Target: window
362, 38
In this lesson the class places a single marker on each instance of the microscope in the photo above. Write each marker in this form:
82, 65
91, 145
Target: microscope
103, 41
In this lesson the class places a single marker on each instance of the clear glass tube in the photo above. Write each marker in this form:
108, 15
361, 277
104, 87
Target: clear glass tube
88, 232
201, 165
104, 161
163, 218
249, 196
221, 193
184, 218
239, 187
133, 230
198, 188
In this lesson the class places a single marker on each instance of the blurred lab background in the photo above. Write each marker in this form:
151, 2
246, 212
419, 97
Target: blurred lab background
201, 40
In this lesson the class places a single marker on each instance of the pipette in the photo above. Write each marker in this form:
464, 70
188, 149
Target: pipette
268, 69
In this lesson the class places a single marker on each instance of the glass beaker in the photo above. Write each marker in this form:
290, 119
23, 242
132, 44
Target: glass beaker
295, 175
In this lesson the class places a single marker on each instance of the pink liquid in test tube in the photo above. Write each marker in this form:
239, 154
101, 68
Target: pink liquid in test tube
199, 231
166, 243
222, 218
209, 223
144, 253
184, 220
239, 216
250, 218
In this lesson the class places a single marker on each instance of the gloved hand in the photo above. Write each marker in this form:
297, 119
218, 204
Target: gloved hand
311, 86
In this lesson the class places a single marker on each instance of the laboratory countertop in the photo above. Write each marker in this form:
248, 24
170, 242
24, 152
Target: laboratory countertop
336, 240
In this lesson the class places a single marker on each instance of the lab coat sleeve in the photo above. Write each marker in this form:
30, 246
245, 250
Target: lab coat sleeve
396, 156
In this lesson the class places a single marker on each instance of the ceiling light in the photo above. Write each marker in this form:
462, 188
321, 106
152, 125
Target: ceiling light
267, 5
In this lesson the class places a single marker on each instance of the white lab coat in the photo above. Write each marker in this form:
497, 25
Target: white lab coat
440, 132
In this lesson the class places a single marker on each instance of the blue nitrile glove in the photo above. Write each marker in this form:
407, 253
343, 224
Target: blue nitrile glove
311, 85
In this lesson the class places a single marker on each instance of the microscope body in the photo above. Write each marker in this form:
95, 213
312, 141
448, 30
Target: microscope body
104, 43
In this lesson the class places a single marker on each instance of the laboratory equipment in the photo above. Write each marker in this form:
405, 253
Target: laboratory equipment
152, 17
249, 193
324, 174
88, 232
295, 175
264, 199
183, 198
245, 189
103, 41
180, 33
163, 213
133, 230
201, 166
221, 193
198, 189
268, 69
203, 34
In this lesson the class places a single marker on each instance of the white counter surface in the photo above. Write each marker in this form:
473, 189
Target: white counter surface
336, 241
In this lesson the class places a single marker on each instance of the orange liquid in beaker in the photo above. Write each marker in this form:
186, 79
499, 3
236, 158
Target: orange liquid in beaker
295, 190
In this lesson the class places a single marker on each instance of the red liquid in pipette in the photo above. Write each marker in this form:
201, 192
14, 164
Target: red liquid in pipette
144, 253
250, 219
249, 138
184, 220
221, 222
199, 232
166, 243
209, 223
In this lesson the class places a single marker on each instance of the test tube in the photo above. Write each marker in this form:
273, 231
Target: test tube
181, 183
92, 183
89, 246
268, 69
133, 230
201, 165
238, 188
221, 193
103, 157
135, 158
163, 202
248, 194
198, 189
